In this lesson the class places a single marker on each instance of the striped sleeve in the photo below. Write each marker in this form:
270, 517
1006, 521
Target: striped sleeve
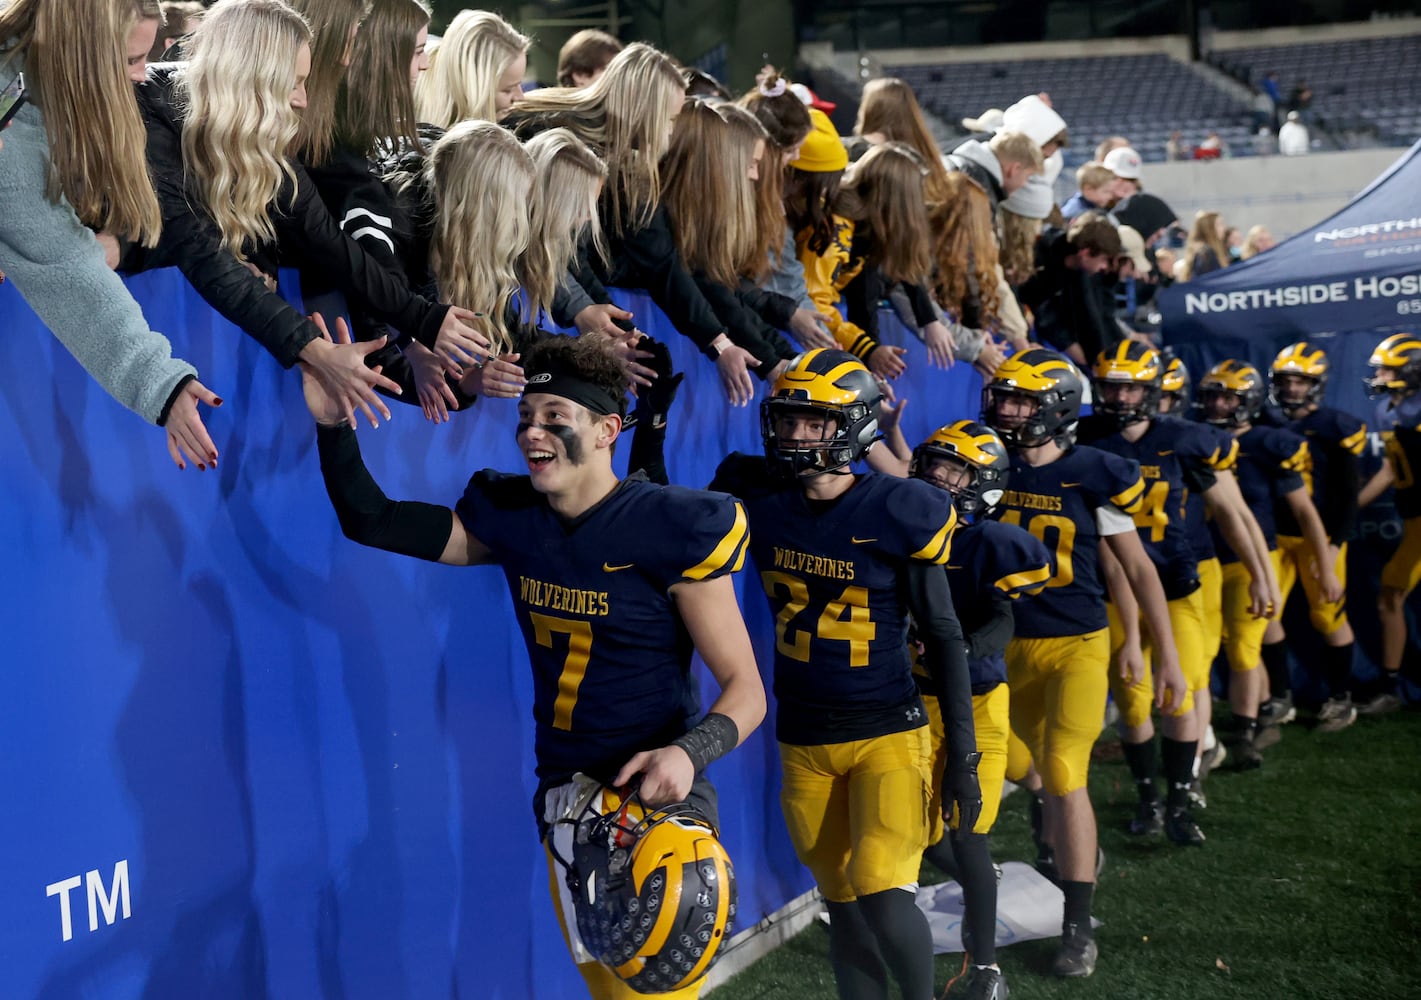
728, 542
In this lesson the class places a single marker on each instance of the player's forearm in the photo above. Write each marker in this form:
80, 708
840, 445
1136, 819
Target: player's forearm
1377, 485
1313, 532
893, 457
992, 636
1149, 593
712, 617
742, 700
366, 515
1239, 529
1117, 586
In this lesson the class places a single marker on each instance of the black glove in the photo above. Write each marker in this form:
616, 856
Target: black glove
654, 401
961, 788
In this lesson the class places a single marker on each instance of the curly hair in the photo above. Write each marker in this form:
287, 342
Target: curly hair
588, 357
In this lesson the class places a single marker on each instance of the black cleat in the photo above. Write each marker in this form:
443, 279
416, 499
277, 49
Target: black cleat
1148, 821
1246, 755
979, 983
1181, 829
1078, 953
1277, 711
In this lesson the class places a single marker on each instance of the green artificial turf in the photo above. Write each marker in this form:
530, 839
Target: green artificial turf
1309, 886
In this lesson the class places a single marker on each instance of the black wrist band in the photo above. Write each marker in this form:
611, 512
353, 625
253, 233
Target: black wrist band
711, 738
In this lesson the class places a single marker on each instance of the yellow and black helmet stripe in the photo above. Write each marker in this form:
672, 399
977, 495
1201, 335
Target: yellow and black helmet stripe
1032, 371
1396, 351
813, 376
967, 440
1176, 376
1301, 358
1129, 361
1232, 376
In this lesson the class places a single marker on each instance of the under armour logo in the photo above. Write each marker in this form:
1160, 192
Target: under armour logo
913, 714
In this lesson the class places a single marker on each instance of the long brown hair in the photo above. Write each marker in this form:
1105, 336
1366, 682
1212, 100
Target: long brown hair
786, 122
76, 75
809, 199
380, 106
708, 194
964, 249
331, 22
623, 116
883, 193
1204, 236
890, 108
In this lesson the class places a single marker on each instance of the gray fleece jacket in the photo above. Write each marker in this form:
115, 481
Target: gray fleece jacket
58, 266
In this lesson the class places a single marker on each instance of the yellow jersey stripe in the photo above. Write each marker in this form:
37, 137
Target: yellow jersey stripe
1300, 459
940, 546
1356, 442
740, 559
733, 541
1024, 582
1130, 500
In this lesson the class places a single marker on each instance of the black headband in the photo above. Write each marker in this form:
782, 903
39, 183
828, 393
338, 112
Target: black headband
570, 385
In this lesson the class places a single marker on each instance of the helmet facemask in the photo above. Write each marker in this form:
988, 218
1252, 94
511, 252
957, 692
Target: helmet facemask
847, 432
1293, 392
1108, 401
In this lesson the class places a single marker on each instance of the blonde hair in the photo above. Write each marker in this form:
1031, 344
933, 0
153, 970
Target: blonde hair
376, 104
1203, 236
236, 89
482, 180
1017, 249
1018, 148
462, 80
965, 249
1250, 246
331, 22
564, 208
623, 115
1093, 175
883, 193
890, 107
710, 199
76, 75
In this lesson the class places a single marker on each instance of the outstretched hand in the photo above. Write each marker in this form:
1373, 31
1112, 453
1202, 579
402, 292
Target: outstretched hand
328, 407
187, 438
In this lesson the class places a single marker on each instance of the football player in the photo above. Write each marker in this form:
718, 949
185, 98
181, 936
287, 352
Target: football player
1073, 499
1271, 461
1237, 525
992, 565
1397, 378
1298, 377
838, 553
1175, 459
614, 585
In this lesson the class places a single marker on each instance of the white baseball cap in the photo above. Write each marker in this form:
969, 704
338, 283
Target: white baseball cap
1123, 162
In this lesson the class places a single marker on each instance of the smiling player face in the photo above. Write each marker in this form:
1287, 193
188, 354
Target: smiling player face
556, 437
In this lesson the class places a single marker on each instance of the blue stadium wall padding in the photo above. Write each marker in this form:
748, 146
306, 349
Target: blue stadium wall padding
314, 759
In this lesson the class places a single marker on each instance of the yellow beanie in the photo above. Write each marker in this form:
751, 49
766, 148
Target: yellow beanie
823, 151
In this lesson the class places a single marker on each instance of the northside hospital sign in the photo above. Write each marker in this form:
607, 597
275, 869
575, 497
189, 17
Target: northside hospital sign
1356, 289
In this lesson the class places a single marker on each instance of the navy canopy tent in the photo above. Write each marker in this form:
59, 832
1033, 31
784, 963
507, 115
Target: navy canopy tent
1346, 282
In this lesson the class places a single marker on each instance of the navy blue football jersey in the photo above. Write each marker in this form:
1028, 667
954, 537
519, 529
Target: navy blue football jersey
610, 655
1057, 503
1176, 459
1335, 442
1270, 466
831, 572
991, 559
1401, 432
1223, 456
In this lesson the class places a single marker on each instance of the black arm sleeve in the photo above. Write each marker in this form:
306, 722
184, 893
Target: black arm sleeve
369, 517
929, 599
1338, 496
992, 636
922, 301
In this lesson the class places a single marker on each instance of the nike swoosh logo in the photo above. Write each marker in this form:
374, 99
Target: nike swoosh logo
1066, 486
862, 541
609, 568
1164, 453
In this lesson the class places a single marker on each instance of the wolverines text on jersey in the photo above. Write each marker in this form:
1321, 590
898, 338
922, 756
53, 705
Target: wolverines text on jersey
611, 657
1057, 503
831, 572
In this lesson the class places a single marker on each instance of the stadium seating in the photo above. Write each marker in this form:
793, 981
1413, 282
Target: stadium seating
1370, 80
